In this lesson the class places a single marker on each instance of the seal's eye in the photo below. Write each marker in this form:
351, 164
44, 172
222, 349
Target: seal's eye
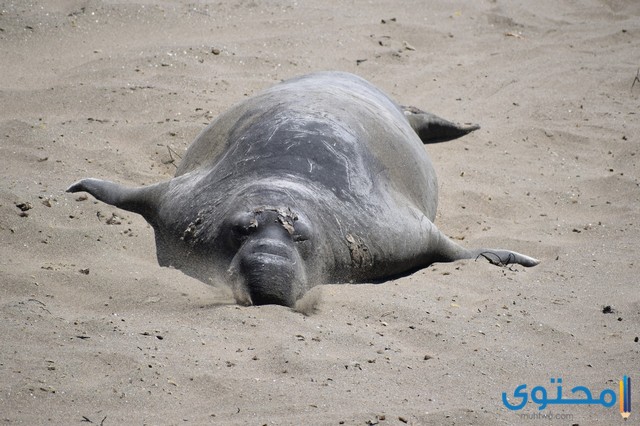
243, 224
302, 231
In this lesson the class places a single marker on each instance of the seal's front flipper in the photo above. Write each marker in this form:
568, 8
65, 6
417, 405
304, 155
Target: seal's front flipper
504, 257
142, 200
442, 249
431, 128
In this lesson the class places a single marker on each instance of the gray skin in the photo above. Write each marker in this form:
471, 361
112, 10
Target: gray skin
319, 179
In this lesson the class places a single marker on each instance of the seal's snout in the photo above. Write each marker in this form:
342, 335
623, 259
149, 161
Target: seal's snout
271, 271
268, 270
270, 280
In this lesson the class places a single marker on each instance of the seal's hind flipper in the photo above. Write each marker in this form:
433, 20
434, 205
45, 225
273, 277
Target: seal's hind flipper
431, 128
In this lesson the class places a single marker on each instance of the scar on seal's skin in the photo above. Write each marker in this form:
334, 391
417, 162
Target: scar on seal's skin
360, 255
286, 218
191, 232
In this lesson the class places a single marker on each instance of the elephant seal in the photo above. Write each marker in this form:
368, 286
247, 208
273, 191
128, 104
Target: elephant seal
319, 179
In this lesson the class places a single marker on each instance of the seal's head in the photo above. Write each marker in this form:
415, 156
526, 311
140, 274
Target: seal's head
271, 245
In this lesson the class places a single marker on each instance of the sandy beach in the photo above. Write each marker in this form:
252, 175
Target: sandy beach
95, 332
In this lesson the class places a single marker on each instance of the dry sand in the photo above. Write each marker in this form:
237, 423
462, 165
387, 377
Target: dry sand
93, 330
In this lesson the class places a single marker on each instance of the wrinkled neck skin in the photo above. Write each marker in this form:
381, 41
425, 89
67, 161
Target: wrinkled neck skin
267, 240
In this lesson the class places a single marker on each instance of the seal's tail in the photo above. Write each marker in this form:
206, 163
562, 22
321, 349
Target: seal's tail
431, 128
